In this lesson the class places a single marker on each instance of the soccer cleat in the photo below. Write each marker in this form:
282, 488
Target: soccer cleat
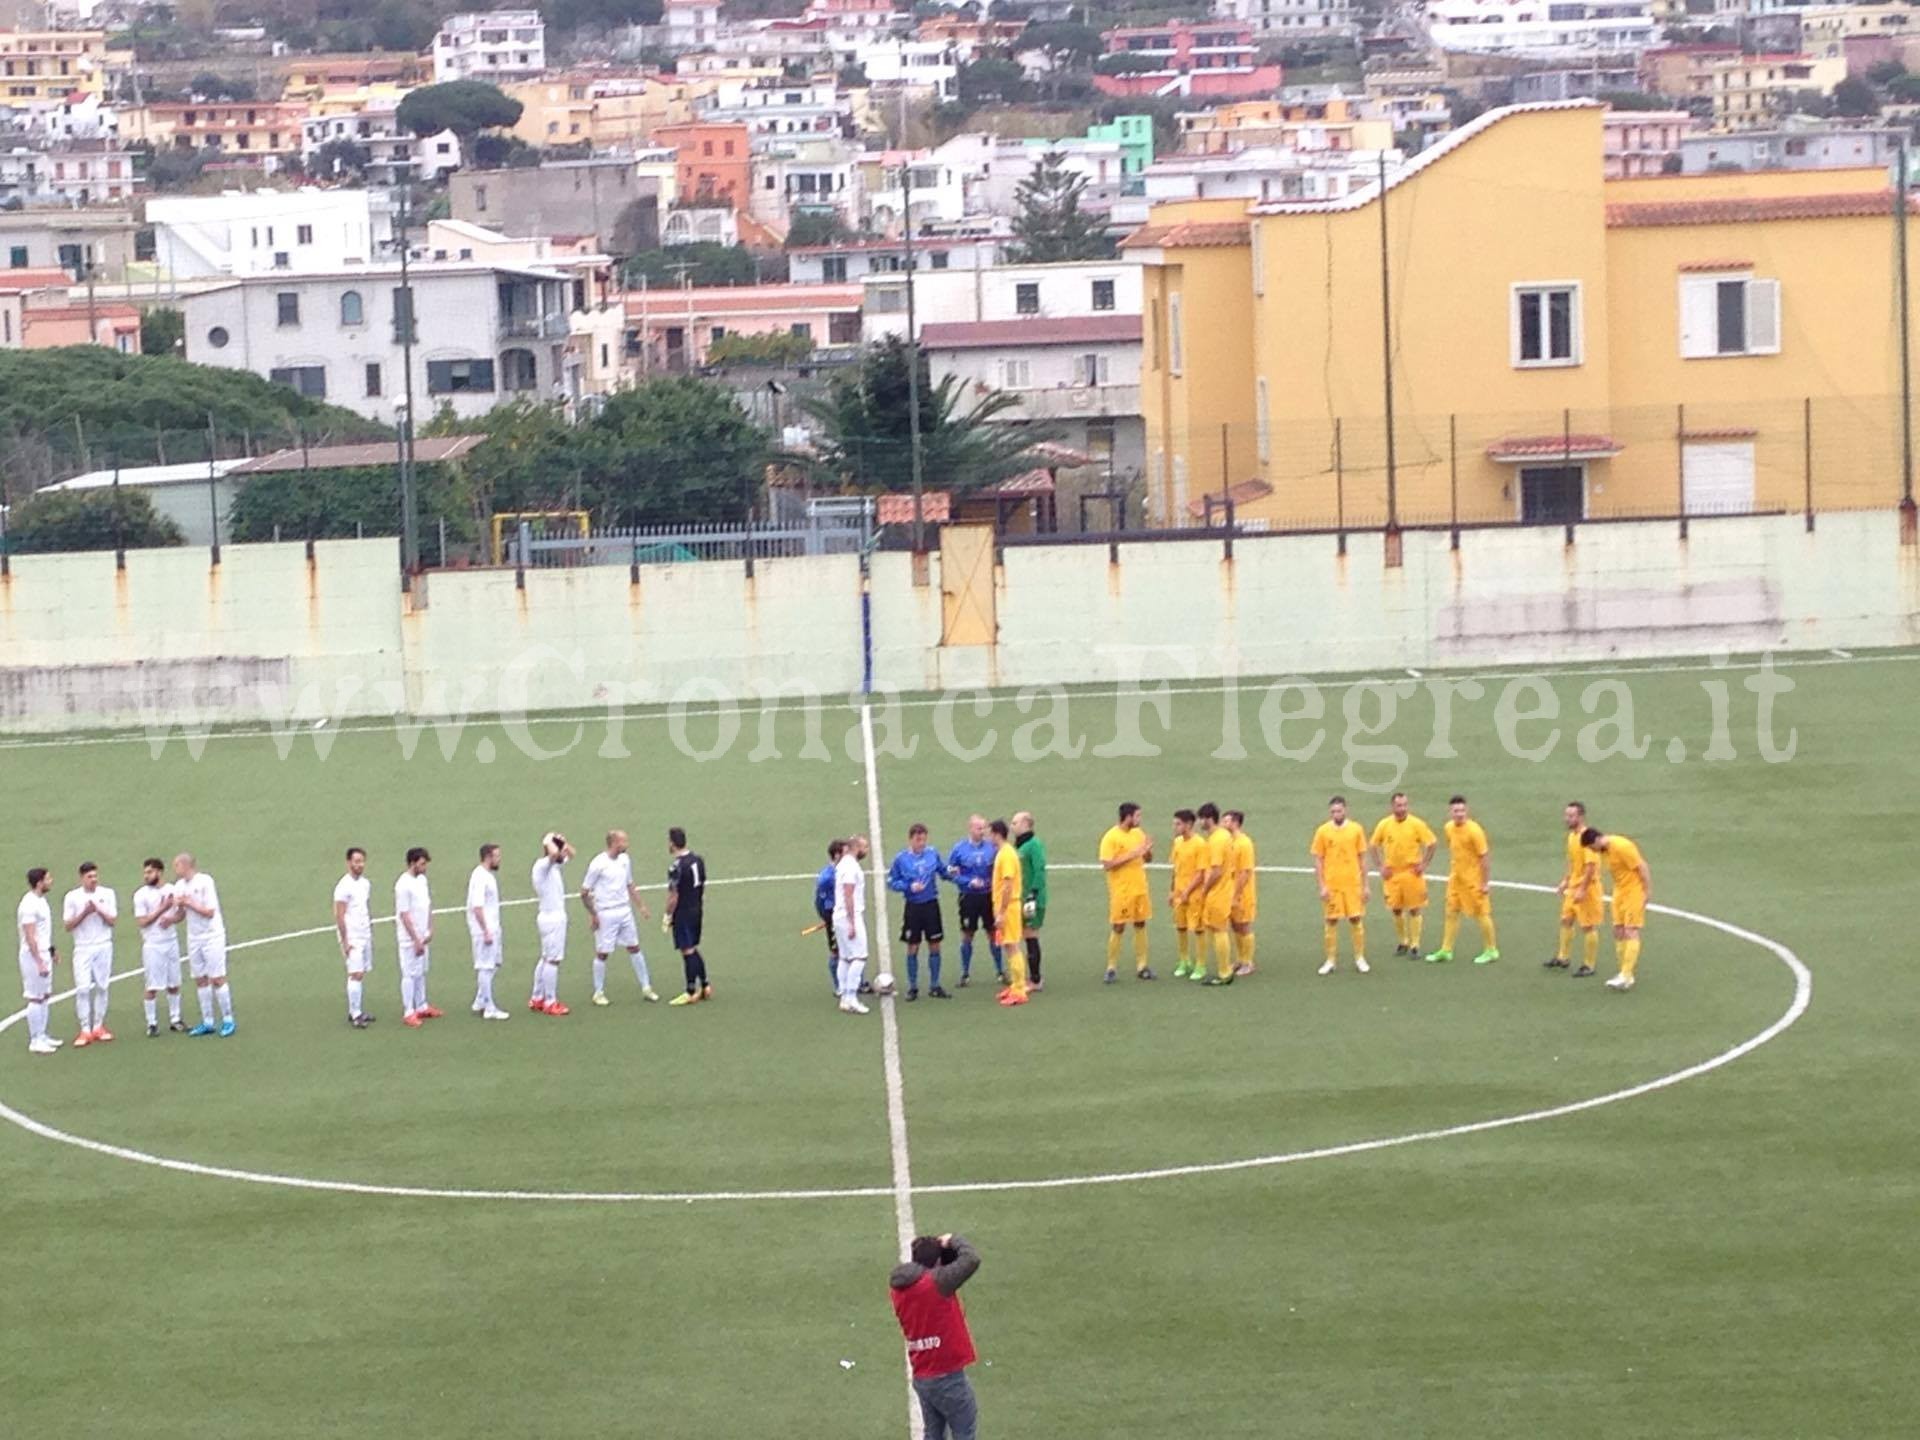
413, 1020
494, 1012
178, 1027
431, 1012
1243, 969
965, 979
600, 998
153, 1032
1326, 969
1486, 957
1012, 998
45, 1045
854, 1007
360, 1022
1036, 987
685, 997
1182, 970
706, 992
913, 992
1226, 979
227, 1028
1556, 963
1399, 950
83, 1039
1583, 972
205, 1027
1439, 957
936, 993
649, 994
1413, 952
477, 1008
1620, 982
1198, 974
1145, 972
537, 1005
101, 1034
1360, 964
554, 1007
866, 987
1112, 975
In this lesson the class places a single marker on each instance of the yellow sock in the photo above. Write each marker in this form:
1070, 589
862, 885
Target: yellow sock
1330, 942
1447, 931
1360, 939
1629, 957
1016, 954
1486, 930
1222, 954
1415, 919
1139, 947
1113, 949
1592, 947
1245, 948
1180, 945
1564, 950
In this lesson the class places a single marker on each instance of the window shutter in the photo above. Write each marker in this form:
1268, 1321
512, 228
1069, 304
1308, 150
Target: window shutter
1763, 317
1699, 318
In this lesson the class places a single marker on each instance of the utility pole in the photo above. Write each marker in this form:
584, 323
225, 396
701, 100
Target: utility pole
1906, 345
1386, 353
913, 347
408, 321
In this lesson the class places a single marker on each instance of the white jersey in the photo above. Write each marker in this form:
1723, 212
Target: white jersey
34, 915
95, 929
483, 894
847, 872
610, 883
550, 885
200, 891
357, 896
412, 900
160, 937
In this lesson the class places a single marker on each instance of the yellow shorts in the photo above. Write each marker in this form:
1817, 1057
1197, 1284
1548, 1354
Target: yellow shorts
1468, 901
1217, 909
1011, 933
1405, 891
1246, 912
1343, 903
1129, 910
1584, 913
1191, 914
1630, 907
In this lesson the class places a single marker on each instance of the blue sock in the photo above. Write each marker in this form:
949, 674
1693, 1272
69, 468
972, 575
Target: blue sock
913, 969
999, 965
933, 968
833, 973
966, 956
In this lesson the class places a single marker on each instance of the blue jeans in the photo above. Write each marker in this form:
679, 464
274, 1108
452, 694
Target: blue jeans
948, 1406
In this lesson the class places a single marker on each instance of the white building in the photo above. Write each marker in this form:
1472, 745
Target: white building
690, 24
1259, 173
993, 189
491, 45
806, 176
259, 231
394, 153
67, 172
846, 261
1541, 27
483, 333
1298, 20
773, 107
939, 182
923, 65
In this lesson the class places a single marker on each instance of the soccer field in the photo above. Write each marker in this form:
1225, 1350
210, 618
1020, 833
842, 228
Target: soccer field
1276, 1209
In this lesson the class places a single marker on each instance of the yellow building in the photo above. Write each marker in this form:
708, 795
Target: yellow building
40, 67
1331, 122
606, 112
1754, 91
1562, 346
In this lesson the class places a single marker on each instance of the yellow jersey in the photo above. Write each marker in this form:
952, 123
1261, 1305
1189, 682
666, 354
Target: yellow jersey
1219, 845
1401, 843
1189, 860
1243, 864
1128, 881
1467, 847
1578, 859
1341, 850
1006, 876
1624, 860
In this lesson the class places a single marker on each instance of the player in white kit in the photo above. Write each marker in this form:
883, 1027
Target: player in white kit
550, 892
611, 897
34, 925
850, 922
413, 924
206, 946
89, 914
353, 923
483, 929
159, 914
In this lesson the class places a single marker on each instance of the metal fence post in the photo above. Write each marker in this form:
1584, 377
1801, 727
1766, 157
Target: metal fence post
1680, 463
1340, 483
213, 492
1806, 454
1453, 478
520, 556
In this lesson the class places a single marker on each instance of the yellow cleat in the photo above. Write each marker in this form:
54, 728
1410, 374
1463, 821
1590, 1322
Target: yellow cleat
685, 997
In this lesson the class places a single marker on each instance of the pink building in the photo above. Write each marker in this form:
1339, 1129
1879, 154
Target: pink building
664, 325
1215, 59
38, 313
1638, 142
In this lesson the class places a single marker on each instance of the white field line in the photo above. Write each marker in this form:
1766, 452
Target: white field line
1802, 998
657, 710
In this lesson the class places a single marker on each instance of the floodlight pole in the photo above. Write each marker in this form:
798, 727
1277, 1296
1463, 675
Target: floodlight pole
913, 345
409, 521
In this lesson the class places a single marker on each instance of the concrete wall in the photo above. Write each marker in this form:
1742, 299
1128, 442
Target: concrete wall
268, 634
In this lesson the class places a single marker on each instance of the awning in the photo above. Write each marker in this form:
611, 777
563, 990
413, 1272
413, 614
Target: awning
1519, 449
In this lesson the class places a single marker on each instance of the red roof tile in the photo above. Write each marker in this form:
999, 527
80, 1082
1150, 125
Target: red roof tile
1067, 330
1553, 447
1744, 211
1189, 235
935, 508
1698, 267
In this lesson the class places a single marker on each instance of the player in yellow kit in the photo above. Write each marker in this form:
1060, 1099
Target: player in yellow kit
1216, 914
1469, 882
1580, 897
1339, 851
1009, 919
1403, 847
1124, 852
1245, 908
1632, 889
1186, 897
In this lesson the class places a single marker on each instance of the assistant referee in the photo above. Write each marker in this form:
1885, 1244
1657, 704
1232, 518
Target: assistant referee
686, 900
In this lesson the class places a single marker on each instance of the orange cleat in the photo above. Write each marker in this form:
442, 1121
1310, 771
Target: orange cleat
413, 1020
554, 1007
431, 1012
101, 1033
538, 1007
1013, 997
706, 992
85, 1037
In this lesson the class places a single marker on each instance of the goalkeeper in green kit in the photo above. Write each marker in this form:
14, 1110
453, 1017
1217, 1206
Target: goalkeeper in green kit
1033, 889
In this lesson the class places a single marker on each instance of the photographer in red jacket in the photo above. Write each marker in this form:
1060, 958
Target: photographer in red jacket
926, 1301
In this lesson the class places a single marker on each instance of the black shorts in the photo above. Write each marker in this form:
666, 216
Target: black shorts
833, 940
976, 911
686, 929
922, 922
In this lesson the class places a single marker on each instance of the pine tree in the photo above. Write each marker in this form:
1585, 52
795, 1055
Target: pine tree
1051, 226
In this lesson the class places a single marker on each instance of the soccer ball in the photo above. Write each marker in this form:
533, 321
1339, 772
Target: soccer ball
883, 984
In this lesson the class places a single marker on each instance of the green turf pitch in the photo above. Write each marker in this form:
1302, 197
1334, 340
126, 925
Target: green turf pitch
1725, 1257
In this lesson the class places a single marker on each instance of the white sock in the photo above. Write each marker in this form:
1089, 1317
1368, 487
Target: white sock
599, 974
83, 1007
204, 993
153, 1011
173, 1006
484, 981
224, 994
845, 968
549, 980
856, 971
356, 993
640, 971
36, 1019
99, 1007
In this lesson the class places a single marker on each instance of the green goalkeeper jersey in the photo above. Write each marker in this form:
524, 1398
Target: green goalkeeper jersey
1033, 869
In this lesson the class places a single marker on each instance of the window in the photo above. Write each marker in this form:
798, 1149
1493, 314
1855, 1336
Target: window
217, 337
518, 370
1026, 299
353, 310
716, 335
480, 197
801, 330
303, 235
308, 380
405, 331
1100, 435
17, 258
1262, 433
843, 329
1175, 340
282, 260
1728, 315
287, 306
1546, 325
1103, 294
73, 259
939, 261
1016, 374
373, 378
1552, 494
1093, 369
834, 267
459, 377
1717, 478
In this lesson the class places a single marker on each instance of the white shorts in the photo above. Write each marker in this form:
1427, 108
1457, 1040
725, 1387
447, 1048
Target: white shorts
414, 963
486, 955
162, 967
616, 932
33, 985
207, 957
359, 954
93, 965
854, 949
553, 935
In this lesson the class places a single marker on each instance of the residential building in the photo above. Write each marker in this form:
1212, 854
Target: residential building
1212, 59
1591, 78
69, 240
1808, 147
394, 154
1305, 118
1684, 72
1265, 172
1826, 29
713, 162
969, 36
667, 330
491, 45
1133, 134
480, 334
39, 312
68, 172
939, 182
690, 24
1035, 295
44, 67
252, 132
1643, 142
1636, 347
701, 223
254, 232
1412, 101
807, 175
308, 77
772, 107
854, 14
1299, 21
926, 66
1536, 27
602, 197
853, 260
602, 111
1751, 92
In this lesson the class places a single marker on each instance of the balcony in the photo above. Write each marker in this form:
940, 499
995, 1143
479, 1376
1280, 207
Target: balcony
1079, 402
533, 327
